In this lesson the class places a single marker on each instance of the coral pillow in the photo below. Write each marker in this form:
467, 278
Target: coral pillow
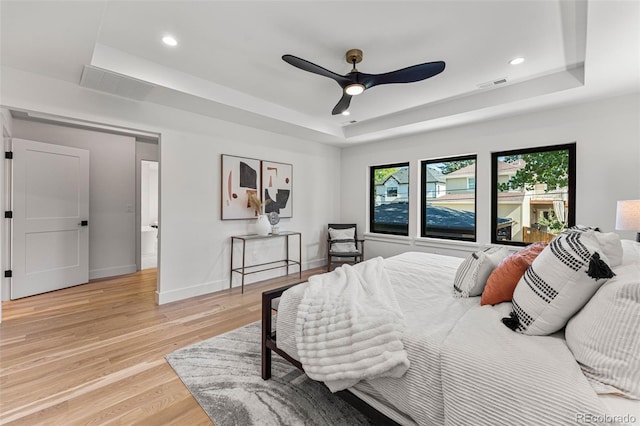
503, 280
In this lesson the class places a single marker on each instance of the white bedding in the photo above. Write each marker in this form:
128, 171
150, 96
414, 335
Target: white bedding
466, 366
349, 326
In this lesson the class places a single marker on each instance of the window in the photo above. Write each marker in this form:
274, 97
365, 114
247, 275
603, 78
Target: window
471, 183
449, 198
389, 199
533, 193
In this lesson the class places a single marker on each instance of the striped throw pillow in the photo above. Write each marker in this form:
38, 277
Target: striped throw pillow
605, 335
343, 240
559, 282
472, 274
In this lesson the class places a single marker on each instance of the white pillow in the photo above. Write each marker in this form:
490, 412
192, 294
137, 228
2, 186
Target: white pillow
605, 335
609, 243
611, 247
473, 273
630, 252
343, 234
559, 282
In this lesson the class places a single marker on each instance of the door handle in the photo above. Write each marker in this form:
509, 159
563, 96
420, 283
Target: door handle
84, 223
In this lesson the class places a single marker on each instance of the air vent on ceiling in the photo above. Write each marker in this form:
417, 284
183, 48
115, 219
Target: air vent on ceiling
493, 83
114, 83
345, 123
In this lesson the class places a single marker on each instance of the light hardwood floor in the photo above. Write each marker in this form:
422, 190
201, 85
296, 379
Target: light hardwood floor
94, 354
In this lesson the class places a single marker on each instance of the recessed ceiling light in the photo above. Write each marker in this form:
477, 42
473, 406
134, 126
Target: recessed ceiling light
345, 112
169, 40
516, 61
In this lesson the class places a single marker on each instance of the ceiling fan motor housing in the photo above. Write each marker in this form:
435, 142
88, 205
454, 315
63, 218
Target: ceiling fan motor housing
354, 56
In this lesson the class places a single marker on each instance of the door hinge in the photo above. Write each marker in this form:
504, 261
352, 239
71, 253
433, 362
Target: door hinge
8, 214
8, 155
8, 273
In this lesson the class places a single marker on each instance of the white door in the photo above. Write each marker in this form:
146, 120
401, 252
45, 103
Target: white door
50, 235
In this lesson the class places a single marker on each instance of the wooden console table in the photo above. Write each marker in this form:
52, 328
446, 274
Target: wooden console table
260, 267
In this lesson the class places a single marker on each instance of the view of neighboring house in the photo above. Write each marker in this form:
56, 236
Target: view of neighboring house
436, 183
519, 210
451, 206
451, 202
529, 210
393, 188
459, 193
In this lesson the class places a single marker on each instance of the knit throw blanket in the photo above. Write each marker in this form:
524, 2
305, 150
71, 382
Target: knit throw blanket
349, 326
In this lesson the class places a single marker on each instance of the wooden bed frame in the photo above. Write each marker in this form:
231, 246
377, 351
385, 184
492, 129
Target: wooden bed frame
269, 344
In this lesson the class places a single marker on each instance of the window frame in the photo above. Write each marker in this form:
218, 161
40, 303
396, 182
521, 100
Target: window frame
571, 215
423, 197
372, 196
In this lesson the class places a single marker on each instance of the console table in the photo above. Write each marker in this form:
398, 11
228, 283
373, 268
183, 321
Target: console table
260, 267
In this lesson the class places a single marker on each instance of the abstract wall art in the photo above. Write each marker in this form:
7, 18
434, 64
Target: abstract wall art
240, 177
277, 188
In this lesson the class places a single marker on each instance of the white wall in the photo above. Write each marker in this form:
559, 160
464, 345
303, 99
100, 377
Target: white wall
190, 182
144, 151
194, 241
607, 133
149, 193
111, 192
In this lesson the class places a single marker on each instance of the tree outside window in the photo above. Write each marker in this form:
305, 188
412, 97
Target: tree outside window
533, 194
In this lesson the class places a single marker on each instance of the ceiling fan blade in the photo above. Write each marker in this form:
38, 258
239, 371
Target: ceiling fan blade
316, 69
342, 105
405, 75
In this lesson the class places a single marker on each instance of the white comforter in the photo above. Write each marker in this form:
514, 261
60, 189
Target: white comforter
349, 326
466, 366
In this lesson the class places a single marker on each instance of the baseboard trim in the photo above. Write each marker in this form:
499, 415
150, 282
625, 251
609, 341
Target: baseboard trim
112, 272
315, 263
163, 297
169, 296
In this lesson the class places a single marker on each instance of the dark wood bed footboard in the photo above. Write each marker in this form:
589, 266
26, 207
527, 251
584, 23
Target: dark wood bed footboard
268, 335
269, 344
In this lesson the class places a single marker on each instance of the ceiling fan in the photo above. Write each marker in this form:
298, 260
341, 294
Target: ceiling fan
356, 82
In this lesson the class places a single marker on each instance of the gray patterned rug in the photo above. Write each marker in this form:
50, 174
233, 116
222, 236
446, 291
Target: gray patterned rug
223, 374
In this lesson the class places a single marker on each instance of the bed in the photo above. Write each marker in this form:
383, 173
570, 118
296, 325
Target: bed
465, 365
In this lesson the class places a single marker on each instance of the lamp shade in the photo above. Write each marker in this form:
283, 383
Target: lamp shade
628, 215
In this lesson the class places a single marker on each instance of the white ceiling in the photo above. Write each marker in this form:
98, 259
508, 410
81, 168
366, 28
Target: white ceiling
228, 61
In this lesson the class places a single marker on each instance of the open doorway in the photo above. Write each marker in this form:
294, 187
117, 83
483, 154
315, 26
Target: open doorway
148, 214
114, 207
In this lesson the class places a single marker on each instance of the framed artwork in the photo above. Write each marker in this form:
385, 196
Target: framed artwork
240, 177
277, 188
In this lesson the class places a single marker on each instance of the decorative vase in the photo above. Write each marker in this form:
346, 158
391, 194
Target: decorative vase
263, 227
274, 219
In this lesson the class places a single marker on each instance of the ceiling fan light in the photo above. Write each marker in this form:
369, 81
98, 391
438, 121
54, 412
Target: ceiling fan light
169, 40
345, 112
354, 89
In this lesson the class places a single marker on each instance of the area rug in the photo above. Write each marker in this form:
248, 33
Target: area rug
223, 374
